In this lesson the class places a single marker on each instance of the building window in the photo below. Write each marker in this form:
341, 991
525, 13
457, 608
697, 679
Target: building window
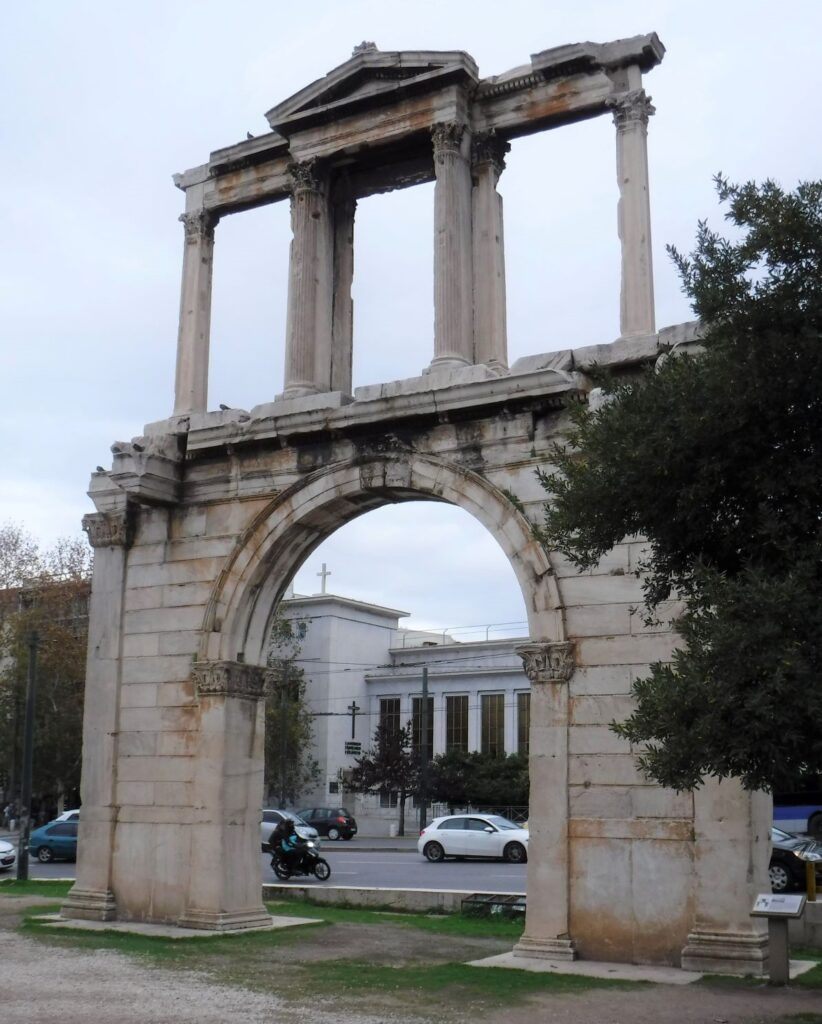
523, 722
390, 714
416, 724
492, 724
456, 724
388, 799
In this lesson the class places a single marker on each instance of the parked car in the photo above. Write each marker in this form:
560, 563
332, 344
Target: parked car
55, 841
334, 822
8, 856
68, 816
786, 869
474, 835
272, 818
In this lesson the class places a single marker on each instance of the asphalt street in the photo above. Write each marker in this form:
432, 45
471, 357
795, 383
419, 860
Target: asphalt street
383, 868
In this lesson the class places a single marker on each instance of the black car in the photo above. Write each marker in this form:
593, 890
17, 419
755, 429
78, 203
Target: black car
786, 870
334, 822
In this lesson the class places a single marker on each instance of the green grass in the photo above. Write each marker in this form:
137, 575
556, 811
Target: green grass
34, 887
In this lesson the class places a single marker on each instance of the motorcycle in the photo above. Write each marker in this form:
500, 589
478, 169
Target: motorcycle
310, 863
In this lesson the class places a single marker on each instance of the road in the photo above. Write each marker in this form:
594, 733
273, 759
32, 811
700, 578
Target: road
379, 868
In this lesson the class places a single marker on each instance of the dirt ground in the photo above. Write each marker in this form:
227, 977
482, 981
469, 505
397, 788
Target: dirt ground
45, 984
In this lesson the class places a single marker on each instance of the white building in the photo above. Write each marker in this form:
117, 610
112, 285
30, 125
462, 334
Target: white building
361, 667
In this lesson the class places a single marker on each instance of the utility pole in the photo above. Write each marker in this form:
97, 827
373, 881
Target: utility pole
28, 757
283, 733
423, 801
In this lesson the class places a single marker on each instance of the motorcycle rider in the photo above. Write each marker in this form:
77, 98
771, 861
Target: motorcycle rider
291, 845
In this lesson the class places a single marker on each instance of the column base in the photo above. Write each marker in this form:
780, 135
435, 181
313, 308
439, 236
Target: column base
546, 949
726, 953
89, 905
441, 363
224, 921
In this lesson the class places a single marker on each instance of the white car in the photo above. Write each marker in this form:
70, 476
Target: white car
474, 835
68, 816
8, 856
271, 819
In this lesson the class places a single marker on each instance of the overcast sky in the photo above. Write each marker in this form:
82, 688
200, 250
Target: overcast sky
101, 102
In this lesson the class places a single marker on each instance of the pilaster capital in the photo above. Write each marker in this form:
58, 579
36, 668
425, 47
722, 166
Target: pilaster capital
229, 679
488, 148
198, 226
306, 175
631, 108
447, 137
547, 662
109, 529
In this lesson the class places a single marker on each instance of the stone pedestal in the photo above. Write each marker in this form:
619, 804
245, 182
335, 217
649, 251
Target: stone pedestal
91, 896
191, 381
453, 259
310, 304
631, 112
490, 332
731, 852
549, 667
224, 888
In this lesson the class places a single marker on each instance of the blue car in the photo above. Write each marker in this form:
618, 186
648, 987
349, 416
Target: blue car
55, 841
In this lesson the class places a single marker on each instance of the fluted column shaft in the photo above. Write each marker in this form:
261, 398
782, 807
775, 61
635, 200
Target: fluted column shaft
191, 381
549, 666
631, 112
453, 258
343, 310
308, 335
490, 329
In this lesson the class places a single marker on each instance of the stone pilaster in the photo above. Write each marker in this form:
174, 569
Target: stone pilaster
191, 381
92, 895
549, 666
310, 283
490, 329
342, 329
731, 854
631, 112
225, 885
453, 258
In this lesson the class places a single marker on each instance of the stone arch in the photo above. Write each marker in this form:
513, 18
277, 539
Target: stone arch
282, 535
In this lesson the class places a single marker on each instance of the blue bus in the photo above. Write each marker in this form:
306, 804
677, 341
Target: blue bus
799, 811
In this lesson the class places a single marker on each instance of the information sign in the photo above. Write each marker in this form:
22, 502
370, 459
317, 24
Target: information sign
771, 905
353, 747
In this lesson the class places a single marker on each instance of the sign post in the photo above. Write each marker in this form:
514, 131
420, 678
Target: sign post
778, 910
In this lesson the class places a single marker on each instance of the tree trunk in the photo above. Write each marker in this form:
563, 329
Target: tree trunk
402, 813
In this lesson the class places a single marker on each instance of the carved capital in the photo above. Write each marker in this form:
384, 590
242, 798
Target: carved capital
447, 136
306, 175
550, 662
198, 226
489, 148
631, 108
109, 529
229, 679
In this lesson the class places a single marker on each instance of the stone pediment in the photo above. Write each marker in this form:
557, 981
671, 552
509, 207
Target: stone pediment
371, 77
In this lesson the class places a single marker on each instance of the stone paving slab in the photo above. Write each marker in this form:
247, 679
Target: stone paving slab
165, 931
618, 972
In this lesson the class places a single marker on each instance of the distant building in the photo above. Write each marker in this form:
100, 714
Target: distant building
362, 668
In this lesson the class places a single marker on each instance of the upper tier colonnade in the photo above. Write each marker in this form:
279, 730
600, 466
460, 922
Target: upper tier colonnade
400, 119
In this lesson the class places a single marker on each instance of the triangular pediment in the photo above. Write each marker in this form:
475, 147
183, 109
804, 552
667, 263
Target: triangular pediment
373, 75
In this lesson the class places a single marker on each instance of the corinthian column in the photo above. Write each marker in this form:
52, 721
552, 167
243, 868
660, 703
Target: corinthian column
549, 667
310, 284
92, 896
191, 381
453, 263
490, 333
631, 112
343, 311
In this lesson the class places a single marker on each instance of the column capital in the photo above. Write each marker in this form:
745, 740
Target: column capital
109, 529
547, 662
631, 108
488, 148
306, 175
229, 679
447, 137
198, 226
